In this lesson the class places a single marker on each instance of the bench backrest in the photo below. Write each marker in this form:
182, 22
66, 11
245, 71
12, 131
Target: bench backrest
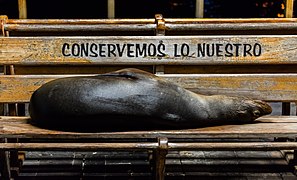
252, 57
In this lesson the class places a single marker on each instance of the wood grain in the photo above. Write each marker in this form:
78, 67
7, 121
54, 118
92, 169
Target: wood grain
269, 87
125, 50
264, 127
173, 25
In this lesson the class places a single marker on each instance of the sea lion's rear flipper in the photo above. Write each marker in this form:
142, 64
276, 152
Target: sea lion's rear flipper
131, 73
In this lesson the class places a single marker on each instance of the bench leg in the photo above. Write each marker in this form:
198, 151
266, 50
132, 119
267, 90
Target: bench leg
294, 164
5, 165
160, 158
15, 163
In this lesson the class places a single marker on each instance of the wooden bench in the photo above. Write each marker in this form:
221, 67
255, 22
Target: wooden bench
252, 57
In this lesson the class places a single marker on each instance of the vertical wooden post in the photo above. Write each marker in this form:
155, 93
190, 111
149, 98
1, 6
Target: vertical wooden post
3, 19
289, 8
5, 166
293, 162
160, 158
110, 9
160, 31
4, 163
6, 157
22, 9
160, 25
12, 108
199, 9
15, 163
22, 15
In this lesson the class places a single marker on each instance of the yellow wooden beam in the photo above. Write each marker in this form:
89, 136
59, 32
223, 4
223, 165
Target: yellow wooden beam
289, 8
111, 9
199, 8
22, 9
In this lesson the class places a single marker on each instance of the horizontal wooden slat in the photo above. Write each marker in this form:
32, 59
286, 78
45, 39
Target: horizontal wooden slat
210, 146
232, 27
149, 50
265, 127
80, 27
65, 27
78, 146
151, 21
227, 20
270, 87
215, 146
11, 22
20, 88
196, 25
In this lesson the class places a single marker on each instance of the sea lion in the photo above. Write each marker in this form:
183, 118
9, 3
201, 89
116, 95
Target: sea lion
132, 99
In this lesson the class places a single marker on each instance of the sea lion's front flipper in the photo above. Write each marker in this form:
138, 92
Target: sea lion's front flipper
131, 73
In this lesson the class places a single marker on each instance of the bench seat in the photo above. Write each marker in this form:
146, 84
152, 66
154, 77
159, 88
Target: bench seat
259, 136
264, 127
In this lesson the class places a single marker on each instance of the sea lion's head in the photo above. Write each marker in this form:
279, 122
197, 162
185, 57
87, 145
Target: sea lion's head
249, 110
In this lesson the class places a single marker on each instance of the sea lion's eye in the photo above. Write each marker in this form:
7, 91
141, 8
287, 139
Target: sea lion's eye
257, 113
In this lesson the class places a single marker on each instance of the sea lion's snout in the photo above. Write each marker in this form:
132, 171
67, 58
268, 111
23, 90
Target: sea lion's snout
257, 108
248, 110
261, 108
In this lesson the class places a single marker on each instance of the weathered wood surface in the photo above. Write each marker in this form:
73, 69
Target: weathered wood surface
149, 50
209, 146
231, 26
87, 146
265, 127
22, 6
82, 25
33, 27
172, 25
289, 8
270, 87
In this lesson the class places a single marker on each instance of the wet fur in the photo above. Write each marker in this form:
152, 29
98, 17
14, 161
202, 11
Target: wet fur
131, 99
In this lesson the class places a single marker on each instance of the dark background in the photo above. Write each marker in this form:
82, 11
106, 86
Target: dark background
145, 8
